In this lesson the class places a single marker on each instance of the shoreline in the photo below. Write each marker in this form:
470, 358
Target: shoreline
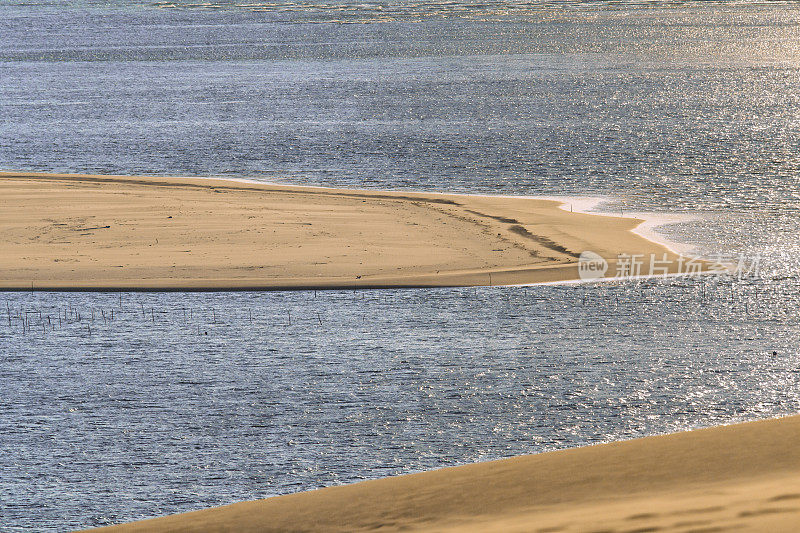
198, 234
743, 476
650, 221
585, 205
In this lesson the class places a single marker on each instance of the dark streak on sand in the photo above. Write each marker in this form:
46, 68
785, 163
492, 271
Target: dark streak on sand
544, 241
219, 188
520, 230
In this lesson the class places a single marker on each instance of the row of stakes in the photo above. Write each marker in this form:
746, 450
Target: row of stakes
69, 315
31, 321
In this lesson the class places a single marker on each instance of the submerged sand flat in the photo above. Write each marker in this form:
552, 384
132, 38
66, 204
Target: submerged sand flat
743, 477
110, 232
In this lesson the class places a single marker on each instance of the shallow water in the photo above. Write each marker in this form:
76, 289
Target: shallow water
690, 109
185, 401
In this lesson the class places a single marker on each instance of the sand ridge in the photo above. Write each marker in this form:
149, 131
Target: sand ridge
87, 232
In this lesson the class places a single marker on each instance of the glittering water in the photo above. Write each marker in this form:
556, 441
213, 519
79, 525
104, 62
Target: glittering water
667, 108
183, 401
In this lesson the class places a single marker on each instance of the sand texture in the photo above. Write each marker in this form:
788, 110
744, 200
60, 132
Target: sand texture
81, 232
743, 477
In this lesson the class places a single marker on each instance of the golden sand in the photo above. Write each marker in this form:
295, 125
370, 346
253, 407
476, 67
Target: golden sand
743, 477
81, 232
110, 232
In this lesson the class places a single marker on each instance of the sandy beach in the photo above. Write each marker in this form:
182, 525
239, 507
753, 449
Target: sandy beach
84, 232
742, 477
421, 266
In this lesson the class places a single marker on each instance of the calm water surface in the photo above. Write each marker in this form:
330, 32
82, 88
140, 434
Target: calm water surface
183, 401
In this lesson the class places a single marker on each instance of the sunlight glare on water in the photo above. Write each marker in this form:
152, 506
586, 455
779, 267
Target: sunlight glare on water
184, 401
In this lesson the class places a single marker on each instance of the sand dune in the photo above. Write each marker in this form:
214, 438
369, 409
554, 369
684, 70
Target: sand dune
742, 477
107, 232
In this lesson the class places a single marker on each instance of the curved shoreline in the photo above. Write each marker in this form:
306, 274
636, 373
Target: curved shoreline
650, 221
585, 205
743, 477
106, 233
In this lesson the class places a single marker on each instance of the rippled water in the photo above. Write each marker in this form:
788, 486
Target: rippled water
693, 108
184, 401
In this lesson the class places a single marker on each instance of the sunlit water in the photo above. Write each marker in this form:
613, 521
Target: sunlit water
184, 401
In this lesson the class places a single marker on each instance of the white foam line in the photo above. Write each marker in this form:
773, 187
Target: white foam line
607, 280
647, 229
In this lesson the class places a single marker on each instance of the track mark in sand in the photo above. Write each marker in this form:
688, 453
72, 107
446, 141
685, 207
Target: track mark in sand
387, 524
782, 497
700, 510
760, 512
487, 229
519, 229
643, 530
706, 530
691, 523
505, 220
544, 241
642, 516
